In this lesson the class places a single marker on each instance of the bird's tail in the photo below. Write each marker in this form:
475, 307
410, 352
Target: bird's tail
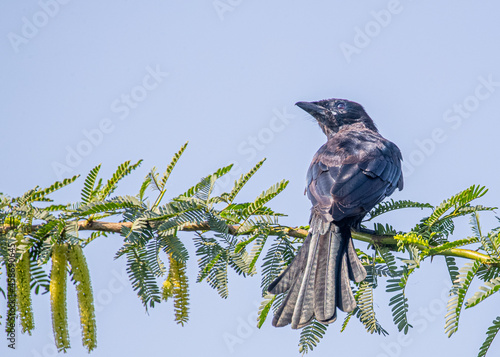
317, 280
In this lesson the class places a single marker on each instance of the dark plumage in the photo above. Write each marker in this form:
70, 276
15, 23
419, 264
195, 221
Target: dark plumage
356, 169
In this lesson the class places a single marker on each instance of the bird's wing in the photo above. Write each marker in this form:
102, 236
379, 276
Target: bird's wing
345, 184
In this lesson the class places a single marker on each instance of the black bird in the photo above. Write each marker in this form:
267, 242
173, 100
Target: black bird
356, 169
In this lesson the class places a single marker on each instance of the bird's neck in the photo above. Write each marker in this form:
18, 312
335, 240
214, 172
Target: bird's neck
358, 126
364, 123
369, 124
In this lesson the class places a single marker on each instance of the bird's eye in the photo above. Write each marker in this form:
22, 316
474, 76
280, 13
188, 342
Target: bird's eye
341, 106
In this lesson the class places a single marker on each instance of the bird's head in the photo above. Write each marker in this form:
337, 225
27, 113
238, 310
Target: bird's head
333, 114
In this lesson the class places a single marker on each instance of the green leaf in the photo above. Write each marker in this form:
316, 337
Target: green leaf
256, 251
311, 335
238, 184
206, 184
39, 278
411, 238
487, 272
213, 263
399, 302
122, 171
265, 197
452, 268
279, 255
55, 208
488, 241
217, 277
490, 335
144, 186
243, 244
391, 205
450, 245
163, 182
389, 260
488, 289
457, 203
347, 319
39, 195
109, 206
386, 230
88, 192
207, 268
153, 249
366, 311
142, 277
265, 307
173, 245
458, 292
171, 166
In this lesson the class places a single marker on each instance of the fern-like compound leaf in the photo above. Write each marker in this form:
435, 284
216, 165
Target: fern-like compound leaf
490, 335
485, 291
458, 292
310, 336
456, 202
88, 191
161, 185
391, 205
238, 184
122, 171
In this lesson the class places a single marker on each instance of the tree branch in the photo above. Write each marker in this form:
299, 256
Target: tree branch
384, 240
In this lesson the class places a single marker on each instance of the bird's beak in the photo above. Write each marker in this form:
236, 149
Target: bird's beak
315, 110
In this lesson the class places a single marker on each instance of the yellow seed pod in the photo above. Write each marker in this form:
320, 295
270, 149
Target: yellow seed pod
58, 279
167, 289
11, 221
85, 297
24, 305
180, 292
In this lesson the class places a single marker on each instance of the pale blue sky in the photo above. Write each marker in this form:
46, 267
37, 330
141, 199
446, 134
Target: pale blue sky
94, 82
